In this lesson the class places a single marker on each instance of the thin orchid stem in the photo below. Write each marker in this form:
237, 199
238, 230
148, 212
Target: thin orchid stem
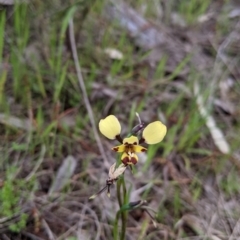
122, 199
115, 229
119, 183
124, 213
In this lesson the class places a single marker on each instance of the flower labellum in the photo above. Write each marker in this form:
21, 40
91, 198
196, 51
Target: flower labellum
129, 148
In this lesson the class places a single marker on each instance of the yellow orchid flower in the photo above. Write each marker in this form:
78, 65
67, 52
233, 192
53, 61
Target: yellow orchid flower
153, 133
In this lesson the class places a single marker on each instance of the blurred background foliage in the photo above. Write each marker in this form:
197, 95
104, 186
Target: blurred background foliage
171, 60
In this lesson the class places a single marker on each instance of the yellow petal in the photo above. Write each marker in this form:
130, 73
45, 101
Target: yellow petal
119, 148
110, 127
154, 132
139, 148
131, 140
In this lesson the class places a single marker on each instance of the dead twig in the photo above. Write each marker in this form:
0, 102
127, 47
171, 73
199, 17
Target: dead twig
84, 92
31, 236
48, 230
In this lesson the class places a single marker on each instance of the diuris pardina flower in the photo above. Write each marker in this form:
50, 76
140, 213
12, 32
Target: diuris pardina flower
153, 133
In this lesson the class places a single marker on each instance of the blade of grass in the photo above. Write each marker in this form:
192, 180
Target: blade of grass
159, 73
59, 83
69, 14
3, 79
2, 32
179, 68
40, 82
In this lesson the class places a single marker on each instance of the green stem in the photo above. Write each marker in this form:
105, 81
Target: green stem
124, 213
120, 202
122, 199
115, 228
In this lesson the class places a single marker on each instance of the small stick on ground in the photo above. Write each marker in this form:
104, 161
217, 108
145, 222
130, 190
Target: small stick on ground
48, 230
84, 92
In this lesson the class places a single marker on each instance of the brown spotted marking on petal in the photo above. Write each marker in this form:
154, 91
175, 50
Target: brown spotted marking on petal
115, 149
134, 160
143, 150
125, 161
